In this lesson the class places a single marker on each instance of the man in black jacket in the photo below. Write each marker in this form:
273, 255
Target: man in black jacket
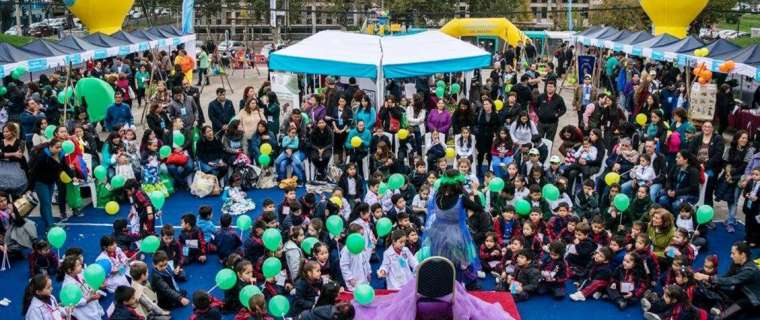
742, 283
682, 184
524, 93
220, 111
551, 106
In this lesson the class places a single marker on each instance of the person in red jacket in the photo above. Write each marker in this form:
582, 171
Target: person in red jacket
192, 240
629, 281
558, 222
554, 271
506, 226
490, 254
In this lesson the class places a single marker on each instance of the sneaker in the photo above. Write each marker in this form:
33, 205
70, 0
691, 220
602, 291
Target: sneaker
730, 228
481, 275
645, 304
577, 296
495, 274
597, 295
622, 304
715, 312
651, 316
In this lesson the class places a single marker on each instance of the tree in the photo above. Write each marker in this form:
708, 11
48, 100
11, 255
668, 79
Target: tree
716, 11
631, 18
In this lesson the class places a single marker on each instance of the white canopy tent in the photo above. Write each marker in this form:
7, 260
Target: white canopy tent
350, 54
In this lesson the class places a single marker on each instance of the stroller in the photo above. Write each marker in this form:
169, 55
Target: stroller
242, 165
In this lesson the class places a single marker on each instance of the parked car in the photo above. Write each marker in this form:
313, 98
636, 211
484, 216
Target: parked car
229, 45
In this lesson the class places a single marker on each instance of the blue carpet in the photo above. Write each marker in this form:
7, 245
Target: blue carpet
201, 277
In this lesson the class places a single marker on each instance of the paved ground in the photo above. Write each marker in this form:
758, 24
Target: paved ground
239, 80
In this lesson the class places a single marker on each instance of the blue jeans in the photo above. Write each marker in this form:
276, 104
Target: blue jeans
654, 190
220, 172
45, 195
674, 204
293, 160
496, 164
731, 220
180, 173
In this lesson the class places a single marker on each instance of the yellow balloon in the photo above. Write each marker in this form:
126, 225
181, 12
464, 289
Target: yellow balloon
266, 149
672, 16
337, 201
112, 208
403, 134
612, 178
356, 142
65, 177
450, 153
641, 119
499, 105
99, 16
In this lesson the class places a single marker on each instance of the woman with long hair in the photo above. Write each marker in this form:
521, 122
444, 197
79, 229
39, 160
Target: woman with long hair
249, 118
11, 148
321, 138
248, 94
708, 148
339, 118
366, 113
46, 169
416, 115
158, 121
261, 136
736, 160
272, 110
501, 152
682, 182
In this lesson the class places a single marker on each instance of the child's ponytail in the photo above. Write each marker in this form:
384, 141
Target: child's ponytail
37, 283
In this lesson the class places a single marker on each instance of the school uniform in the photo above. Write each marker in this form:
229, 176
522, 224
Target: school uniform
193, 244
117, 276
173, 250
41, 310
529, 278
227, 241
166, 288
354, 267
43, 264
84, 310
232, 297
124, 312
367, 234
626, 281
553, 276
598, 278
602, 239
293, 258
490, 262
555, 226
579, 260
398, 266
307, 293
127, 241
253, 248
506, 230
651, 266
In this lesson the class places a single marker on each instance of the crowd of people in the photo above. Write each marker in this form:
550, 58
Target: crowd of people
507, 129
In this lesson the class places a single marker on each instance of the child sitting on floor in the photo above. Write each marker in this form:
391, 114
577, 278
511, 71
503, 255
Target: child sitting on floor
206, 225
598, 276
226, 240
162, 281
203, 308
628, 282
192, 240
117, 276
525, 281
173, 249
490, 254
554, 271
42, 260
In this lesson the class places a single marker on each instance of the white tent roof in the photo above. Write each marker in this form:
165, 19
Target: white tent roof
351, 54
429, 52
331, 52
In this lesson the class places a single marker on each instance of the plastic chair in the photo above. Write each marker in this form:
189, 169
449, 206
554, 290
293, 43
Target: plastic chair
549, 144
427, 144
473, 168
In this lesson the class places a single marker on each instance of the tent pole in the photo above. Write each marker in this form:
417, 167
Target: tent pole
66, 102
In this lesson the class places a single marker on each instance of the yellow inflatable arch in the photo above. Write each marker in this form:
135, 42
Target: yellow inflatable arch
499, 27
104, 16
672, 16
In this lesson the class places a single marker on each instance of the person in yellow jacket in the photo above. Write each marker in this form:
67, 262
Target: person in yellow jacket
187, 64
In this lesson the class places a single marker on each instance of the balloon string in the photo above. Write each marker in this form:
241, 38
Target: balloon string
212, 289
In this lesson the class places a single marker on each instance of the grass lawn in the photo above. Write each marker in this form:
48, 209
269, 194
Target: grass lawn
746, 42
746, 22
15, 40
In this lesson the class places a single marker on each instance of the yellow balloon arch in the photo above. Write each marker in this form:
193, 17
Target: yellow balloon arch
500, 27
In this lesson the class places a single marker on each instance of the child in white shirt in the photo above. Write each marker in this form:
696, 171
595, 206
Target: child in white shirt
643, 173
371, 197
398, 262
586, 152
117, 276
355, 268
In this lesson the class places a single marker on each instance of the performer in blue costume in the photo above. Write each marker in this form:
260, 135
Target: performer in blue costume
446, 231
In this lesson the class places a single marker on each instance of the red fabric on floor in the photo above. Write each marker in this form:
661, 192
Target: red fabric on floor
500, 297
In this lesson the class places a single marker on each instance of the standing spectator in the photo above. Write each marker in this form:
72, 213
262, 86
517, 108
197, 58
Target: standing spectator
550, 108
708, 148
584, 95
184, 107
439, 119
46, 168
118, 114
203, 64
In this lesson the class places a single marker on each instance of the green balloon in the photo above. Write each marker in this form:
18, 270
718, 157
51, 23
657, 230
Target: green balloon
244, 222
271, 267
396, 181
382, 189
437, 184
482, 198
164, 151
225, 279
279, 306
118, 181
272, 239
98, 94
150, 244
17, 73
246, 293
70, 295
455, 88
622, 202
56, 236
158, 199
305, 117
264, 160
550, 192
522, 207
3, 90
440, 84
50, 131
440, 91
705, 214
68, 147
383, 226
496, 184
178, 139
334, 225
355, 243
100, 173
364, 294
307, 244
94, 275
